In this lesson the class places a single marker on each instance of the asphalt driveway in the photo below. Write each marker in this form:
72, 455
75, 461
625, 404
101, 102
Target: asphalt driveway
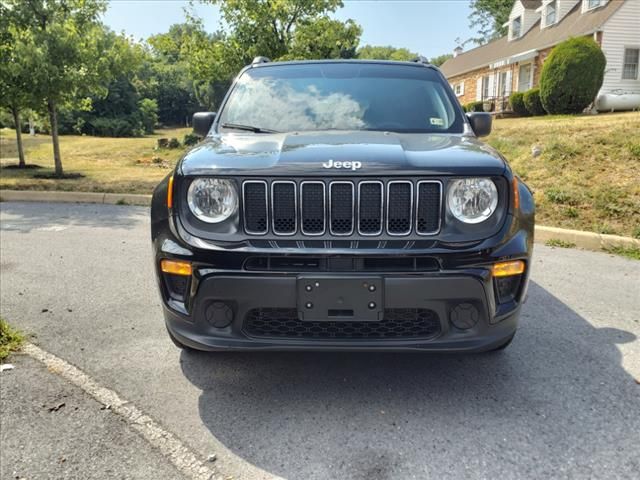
563, 401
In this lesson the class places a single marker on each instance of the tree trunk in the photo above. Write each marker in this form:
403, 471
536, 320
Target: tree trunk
16, 121
53, 119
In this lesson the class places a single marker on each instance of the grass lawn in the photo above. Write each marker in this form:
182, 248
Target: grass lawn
586, 177
123, 165
588, 174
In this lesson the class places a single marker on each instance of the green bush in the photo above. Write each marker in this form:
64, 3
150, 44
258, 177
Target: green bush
532, 103
114, 127
190, 139
173, 143
148, 114
474, 107
516, 101
571, 76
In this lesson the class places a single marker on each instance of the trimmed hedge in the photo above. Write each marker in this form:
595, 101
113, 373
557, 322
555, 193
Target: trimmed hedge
474, 107
572, 75
516, 100
532, 103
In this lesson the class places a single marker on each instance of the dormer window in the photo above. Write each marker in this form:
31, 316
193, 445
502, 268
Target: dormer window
550, 14
516, 27
593, 4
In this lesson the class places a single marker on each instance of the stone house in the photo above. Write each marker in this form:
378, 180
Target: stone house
513, 63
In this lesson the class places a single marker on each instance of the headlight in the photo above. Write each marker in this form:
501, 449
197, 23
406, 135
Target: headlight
472, 200
212, 200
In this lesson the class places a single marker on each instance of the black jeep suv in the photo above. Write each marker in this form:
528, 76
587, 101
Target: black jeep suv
342, 205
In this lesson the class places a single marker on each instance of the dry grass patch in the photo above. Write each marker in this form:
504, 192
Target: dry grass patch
120, 165
587, 176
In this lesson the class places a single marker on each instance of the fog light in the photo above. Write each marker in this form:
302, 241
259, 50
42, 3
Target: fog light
507, 269
464, 316
175, 267
219, 314
507, 288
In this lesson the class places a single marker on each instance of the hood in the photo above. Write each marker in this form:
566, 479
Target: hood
356, 153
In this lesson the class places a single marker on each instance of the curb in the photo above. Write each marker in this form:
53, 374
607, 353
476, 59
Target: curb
75, 197
586, 240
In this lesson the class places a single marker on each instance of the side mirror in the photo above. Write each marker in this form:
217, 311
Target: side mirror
202, 122
480, 123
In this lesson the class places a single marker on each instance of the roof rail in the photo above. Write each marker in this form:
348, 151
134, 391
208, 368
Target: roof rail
258, 60
421, 59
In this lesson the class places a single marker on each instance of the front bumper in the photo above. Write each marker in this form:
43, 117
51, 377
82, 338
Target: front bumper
435, 292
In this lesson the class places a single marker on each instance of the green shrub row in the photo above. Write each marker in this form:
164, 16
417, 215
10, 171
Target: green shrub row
473, 107
527, 103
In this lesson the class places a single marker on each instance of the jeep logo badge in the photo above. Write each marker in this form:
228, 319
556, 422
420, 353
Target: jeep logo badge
350, 165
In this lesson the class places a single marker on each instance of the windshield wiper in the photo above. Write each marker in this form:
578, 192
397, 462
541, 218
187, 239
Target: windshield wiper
248, 128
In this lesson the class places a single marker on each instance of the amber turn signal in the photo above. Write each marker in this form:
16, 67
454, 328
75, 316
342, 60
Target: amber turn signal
507, 269
175, 267
516, 194
170, 192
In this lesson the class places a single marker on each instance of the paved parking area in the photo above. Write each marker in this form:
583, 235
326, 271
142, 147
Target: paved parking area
561, 402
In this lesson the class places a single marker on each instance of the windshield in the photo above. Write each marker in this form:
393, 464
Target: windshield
341, 96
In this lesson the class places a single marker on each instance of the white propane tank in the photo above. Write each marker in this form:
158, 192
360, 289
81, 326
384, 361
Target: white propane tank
610, 102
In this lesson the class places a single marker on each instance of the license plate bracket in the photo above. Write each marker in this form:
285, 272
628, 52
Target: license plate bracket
344, 298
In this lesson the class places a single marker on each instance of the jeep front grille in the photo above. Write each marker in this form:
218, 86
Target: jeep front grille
342, 208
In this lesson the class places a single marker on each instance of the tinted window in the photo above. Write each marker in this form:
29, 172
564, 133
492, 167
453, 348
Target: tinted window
343, 96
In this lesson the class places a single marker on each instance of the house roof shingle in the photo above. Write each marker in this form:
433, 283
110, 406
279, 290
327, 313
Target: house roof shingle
575, 23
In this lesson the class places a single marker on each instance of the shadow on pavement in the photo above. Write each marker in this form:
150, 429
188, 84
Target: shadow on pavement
26, 217
556, 403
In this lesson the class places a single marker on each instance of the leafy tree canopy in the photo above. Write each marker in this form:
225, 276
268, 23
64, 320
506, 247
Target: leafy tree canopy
324, 38
385, 53
487, 19
264, 27
440, 59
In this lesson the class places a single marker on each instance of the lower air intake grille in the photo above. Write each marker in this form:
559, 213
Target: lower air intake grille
398, 323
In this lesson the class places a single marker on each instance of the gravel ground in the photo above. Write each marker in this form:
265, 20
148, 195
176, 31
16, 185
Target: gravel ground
51, 429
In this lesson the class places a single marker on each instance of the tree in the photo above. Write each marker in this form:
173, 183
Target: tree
266, 27
488, 18
61, 49
278, 29
14, 78
572, 75
324, 38
167, 77
374, 52
440, 59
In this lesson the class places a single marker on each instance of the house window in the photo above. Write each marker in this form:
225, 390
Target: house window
503, 84
593, 4
459, 89
630, 65
524, 77
550, 14
485, 87
516, 26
